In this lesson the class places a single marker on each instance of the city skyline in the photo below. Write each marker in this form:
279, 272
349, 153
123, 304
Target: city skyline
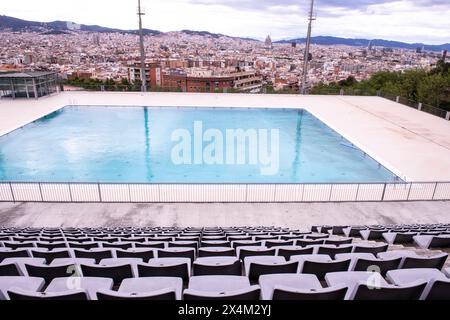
406, 20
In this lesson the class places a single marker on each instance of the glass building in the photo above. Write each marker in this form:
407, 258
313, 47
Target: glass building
28, 84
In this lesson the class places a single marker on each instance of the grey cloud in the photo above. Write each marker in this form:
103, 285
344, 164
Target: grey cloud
347, 4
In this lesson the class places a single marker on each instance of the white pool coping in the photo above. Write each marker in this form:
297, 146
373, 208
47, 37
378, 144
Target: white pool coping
413, 145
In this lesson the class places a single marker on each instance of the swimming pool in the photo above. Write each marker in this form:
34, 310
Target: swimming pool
183, 145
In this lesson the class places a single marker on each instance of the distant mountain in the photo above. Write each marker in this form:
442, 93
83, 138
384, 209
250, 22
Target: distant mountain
323, 40
202, 33
61, 27
212, 35
58, 27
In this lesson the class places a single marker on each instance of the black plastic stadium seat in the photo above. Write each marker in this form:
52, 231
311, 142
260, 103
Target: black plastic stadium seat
228, 269
49, 256
224, 252
163, 295
333, 251
318, 295
244, 253
320, 269
48, 273
78, 295
432, 263
413, 292
288, 253
14, 254
145, 255
178, 271
251, 294
116, 273
19, 245
51, 245
156, 245
258, 269
181, 253
96, 255
9, 270
116, 245
371, 249
383, 265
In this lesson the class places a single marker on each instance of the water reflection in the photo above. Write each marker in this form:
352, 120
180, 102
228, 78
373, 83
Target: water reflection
147, 145
298, 142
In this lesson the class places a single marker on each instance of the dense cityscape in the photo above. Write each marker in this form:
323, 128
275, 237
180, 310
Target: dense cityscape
228, 159
190, 61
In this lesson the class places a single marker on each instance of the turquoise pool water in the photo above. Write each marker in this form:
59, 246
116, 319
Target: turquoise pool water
138, 144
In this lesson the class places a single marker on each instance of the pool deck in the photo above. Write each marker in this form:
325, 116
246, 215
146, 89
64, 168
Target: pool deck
412, 144
290, 215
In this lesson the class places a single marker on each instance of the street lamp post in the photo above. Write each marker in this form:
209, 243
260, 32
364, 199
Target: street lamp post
142, 48
307, 47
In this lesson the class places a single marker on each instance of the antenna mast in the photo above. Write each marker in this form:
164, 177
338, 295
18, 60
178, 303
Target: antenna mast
140, 13
307, 47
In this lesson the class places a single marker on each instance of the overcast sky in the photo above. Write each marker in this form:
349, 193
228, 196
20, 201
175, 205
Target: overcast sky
405, 20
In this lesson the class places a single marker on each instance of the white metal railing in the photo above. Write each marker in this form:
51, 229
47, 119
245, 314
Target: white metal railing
160, 193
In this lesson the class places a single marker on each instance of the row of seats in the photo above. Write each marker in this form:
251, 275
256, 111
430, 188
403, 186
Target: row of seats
203, 246
147, 231
253, 267
417, 227
409, 284
16, 243
241, 251
317, 263
179, 263
424, 236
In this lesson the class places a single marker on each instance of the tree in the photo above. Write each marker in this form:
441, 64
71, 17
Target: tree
137, 85
417, 85
433, 89
350, 81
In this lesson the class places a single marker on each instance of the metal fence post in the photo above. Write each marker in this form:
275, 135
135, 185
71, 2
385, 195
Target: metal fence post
420, 106
12, 192
40, 191
409, 191
434, 191
70, 193
99, 192
397, 99
447, 116
357, 193
384, 192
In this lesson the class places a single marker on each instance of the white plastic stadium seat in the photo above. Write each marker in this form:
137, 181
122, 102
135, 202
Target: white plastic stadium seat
19, 294
412, 291
438, 287
24, 283
20, 262
229, 266
150, 285
269, 282
426, 242
447, 272
351, 280
89, 284
221, 287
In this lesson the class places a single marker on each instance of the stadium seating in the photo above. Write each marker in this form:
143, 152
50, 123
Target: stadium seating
237, 263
